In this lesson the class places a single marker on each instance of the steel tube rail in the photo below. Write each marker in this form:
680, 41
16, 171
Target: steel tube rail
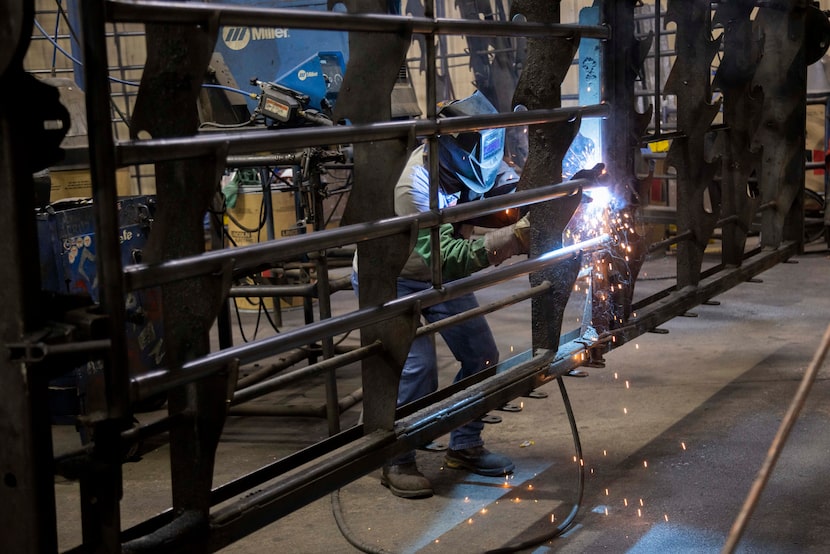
162, 380
689, 234
149, 11
249, 257
257, 291
38, 351
685, 235
482, 310
134, 152
259, 160
270, 385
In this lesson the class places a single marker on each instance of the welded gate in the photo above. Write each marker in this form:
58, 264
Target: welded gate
738, 164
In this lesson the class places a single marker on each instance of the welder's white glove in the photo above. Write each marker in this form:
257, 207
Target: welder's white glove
508, 241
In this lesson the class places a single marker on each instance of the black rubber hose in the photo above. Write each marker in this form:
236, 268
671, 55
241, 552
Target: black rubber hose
337, 509
566, 523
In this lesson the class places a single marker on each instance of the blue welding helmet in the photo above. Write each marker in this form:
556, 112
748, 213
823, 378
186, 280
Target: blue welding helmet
471, 159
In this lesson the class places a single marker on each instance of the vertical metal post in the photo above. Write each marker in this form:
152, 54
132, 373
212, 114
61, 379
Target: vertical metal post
432, 147
658, 52
101, 493
548, 61
27, 495
324, 306
265, 178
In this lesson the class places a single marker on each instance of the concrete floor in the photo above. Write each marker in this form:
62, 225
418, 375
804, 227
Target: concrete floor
673, 432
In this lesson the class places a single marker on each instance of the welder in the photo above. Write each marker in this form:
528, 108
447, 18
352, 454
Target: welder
470, 164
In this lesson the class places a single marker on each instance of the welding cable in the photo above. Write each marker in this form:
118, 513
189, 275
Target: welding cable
75, 60
263, 219
566, 523
337, 509
777, 445
72, 58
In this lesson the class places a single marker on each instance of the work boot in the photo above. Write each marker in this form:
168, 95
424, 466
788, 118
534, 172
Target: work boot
406, 481
479, 460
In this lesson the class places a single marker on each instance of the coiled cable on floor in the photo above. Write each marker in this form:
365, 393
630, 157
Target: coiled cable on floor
337, 509
580, 490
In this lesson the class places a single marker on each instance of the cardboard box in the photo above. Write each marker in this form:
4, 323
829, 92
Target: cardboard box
245, 226
246, 219
77, 183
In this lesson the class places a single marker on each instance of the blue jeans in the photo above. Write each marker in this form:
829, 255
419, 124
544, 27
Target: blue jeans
472, 344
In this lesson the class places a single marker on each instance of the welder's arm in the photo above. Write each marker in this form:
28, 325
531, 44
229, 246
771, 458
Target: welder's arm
461, 257
508, 241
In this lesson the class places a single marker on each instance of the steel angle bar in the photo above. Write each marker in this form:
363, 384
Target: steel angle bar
159, 381
311, 481
132, 152
148, 11
251, 257
676, 302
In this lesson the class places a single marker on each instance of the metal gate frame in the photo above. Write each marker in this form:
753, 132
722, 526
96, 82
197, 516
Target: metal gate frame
195, 284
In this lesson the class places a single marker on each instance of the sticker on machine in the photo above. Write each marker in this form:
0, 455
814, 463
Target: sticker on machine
237, 38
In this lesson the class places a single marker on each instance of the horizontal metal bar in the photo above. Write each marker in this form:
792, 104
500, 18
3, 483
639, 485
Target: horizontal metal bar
260, 160
688, 234
241, 142
162, 380
270, 385
664, 215
263, 291
71, 464
149, 11
32, 352
685, 235
482, 310
266, 254
679, 134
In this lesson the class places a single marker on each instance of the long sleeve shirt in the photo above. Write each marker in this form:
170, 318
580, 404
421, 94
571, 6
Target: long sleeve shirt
459, 257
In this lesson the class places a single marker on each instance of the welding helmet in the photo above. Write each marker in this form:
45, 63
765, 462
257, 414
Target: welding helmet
470, 159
